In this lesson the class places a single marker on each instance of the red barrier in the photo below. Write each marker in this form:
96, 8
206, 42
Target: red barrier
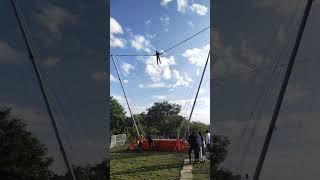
165, 145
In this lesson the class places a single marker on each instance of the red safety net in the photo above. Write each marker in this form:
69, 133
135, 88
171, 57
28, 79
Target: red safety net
164, 145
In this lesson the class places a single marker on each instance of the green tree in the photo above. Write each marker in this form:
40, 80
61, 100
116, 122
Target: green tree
21, 154
163, 118
219, 152
118, 123
199, 126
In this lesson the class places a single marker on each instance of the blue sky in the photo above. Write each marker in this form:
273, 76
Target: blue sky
141, 27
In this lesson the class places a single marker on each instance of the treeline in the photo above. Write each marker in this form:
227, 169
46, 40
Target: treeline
23, 156
162, 119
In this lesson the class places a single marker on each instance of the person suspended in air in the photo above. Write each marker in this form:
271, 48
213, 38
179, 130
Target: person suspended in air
158, 57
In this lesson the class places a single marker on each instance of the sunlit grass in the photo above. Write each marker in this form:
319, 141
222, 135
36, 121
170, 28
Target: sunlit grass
201, 170
126, 164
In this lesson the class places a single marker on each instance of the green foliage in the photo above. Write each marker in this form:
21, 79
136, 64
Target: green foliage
219, 149
198, 126
163, 119
118, 123
22, 155
219, 152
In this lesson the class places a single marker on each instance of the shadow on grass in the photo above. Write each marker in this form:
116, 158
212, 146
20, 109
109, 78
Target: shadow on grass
130, 154
127, 153
151, 168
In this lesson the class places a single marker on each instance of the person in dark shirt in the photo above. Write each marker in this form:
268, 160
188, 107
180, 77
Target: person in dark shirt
193, 145
158, 57
150, 141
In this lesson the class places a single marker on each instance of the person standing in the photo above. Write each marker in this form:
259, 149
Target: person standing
200, 145
192, 144
207, 140
150, 141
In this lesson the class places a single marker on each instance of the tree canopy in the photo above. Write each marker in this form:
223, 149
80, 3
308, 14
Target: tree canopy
161, 119
22, 155
118, 123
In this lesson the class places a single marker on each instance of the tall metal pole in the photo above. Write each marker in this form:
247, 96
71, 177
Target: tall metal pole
42, 88
282, 91
125, 96
195, 99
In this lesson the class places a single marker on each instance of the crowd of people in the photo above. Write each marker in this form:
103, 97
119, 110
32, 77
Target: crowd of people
199, 146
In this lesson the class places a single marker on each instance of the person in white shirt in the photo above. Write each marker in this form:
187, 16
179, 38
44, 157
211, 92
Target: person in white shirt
207, 140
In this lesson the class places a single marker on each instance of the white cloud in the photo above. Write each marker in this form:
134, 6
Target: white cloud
141, 85
150, 36
126, 67
125, 81
202, 108
53, 18
165, 21
9, 55
148, 21
51, 62
181, 80
112, 78
136, 109
202, 91
199, 9
159, 85
182, 5
115, 28
139, 42
198, 72
190, 23
159, 97
197, 56
161, 71
120, 99
165, 2
202, 115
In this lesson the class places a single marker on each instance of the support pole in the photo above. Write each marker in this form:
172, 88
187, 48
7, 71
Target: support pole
195, 99
42, 88
282, 91
125, 96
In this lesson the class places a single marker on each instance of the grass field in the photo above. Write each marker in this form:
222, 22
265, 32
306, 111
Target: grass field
201, 170
127, 165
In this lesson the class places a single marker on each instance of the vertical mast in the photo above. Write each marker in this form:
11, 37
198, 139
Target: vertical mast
134, 122
195, 99
40, 82
282, 91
